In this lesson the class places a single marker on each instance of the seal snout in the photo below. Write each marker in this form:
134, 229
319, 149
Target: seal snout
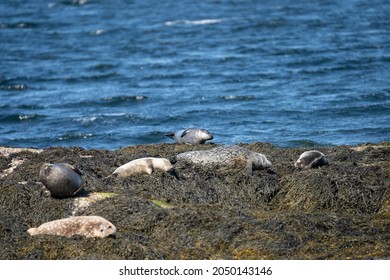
207, 135
172, 160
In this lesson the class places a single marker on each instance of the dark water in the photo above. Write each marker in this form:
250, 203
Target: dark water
107, 74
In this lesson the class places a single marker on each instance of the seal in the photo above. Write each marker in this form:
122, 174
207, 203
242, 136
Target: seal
311, 159
142, 166
225, 156
191, 136
87, 226
62, 179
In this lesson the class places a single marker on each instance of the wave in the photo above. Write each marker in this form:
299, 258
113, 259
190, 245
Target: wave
379, 96
110, 101
18, 25
192, 22
121, 99
74, 136
97, 77
30, 107
15, 118
237, 97
107, 119
304, 143
69, 3
16, 87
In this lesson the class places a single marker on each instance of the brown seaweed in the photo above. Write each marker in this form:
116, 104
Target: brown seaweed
340, 211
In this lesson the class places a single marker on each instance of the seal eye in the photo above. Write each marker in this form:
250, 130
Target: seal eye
109, 226
101, 230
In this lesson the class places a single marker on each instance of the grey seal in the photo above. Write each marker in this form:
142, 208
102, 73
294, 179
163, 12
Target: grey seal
311, 159
224, 156
87, 226
191, 136
142, 166
62, 179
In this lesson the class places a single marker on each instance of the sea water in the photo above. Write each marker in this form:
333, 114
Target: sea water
108, 74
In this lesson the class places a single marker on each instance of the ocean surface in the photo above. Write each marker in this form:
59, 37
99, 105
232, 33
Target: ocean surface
109, 74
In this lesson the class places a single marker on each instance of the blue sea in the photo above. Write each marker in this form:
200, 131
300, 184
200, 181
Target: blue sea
109, 74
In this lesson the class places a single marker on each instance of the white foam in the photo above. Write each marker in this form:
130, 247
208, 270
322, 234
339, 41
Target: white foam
98, 32
193, 22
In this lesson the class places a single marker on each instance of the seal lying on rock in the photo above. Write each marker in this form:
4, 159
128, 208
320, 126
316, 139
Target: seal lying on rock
311, 159
142, 166
191, 136
225, 156
88, 226
62, 180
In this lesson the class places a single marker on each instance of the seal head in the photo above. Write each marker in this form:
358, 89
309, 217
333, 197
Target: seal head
62, 180
191, 136
311, 159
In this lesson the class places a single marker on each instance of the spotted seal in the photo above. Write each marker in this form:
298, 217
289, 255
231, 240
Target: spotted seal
311, 159
142, 166
190, 136
62, 179
223, 156
87, 226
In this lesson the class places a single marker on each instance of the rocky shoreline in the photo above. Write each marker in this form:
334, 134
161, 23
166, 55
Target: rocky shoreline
340, 211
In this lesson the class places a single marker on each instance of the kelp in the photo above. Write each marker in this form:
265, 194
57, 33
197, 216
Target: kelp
340, 211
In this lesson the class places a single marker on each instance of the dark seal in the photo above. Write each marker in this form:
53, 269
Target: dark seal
311, 159
62, 180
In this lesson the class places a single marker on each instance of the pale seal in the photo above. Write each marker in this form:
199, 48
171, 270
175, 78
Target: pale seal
62, 180
224, 156
87, 226
311, 159
191, 136
142, 166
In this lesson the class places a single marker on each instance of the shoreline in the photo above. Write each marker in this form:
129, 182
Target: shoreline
340, 211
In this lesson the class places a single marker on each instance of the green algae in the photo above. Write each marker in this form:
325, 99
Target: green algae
162, 204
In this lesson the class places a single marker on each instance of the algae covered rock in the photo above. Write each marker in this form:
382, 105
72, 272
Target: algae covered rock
196, 211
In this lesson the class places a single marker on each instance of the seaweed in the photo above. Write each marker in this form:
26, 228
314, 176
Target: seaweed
340, 211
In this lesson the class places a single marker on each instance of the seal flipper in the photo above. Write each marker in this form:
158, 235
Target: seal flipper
32, 231
149, 167
185, 132
79, 189
170, 135
108, 179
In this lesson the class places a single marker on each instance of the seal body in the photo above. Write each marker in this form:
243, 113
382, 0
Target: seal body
224, 156
62, 180
87, 226
142, 166
191, 136
311, 159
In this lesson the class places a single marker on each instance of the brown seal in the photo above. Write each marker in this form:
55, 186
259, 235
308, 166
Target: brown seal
87, 226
